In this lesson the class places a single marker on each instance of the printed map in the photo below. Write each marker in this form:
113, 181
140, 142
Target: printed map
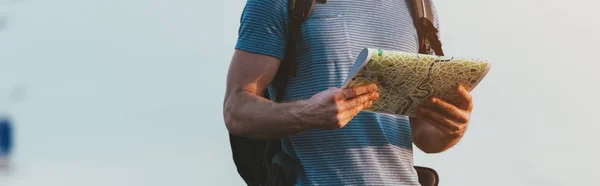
405, 80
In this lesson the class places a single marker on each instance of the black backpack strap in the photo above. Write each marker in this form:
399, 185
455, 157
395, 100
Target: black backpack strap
427, 176
422, 14
298, 12
280, 168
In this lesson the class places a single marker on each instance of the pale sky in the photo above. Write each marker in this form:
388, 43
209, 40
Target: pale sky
125, 93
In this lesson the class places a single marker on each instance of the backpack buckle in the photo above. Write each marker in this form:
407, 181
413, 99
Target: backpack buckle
427, 48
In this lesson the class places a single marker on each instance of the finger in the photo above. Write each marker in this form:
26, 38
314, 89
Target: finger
355, 108
368, 104
465, 101
346, 116
448, 109
363, 105
350, 113
360, 100
357, 91
438, 119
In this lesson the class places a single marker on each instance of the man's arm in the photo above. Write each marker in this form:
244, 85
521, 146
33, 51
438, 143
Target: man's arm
248, 114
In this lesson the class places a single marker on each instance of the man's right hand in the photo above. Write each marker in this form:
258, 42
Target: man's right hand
334, 107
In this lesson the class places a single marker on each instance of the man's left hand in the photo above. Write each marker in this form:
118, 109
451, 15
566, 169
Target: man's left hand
450, 118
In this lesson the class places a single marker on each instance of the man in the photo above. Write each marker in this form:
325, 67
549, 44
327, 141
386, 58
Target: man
322, 126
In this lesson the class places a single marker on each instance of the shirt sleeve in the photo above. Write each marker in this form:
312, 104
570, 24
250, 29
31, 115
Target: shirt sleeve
263, 28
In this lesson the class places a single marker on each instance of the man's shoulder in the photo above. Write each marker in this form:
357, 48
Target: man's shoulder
263, 27
267, 6
258, 12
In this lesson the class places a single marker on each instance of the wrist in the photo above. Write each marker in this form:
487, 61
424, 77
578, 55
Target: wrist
296, 115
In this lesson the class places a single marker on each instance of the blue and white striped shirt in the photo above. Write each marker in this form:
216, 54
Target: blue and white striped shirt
373, 149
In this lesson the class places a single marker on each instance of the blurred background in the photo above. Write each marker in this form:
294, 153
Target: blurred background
125, 93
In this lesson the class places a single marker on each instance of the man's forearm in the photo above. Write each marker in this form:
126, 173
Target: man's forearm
252, 116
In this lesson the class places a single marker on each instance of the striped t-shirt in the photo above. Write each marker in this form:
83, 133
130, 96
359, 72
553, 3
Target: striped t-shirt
373, 149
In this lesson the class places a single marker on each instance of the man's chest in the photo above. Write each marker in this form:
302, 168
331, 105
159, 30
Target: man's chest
338, 30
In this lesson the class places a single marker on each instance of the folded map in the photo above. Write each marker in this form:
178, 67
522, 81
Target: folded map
406, 80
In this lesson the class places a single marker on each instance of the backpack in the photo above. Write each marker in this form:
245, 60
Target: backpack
263, 162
